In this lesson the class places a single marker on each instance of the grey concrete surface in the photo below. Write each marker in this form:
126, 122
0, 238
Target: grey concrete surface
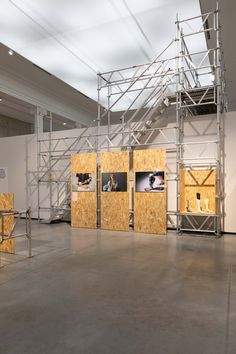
102, 292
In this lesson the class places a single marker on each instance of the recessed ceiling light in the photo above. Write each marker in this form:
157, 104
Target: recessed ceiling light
0, 99
10, 52
64, 123
212, 77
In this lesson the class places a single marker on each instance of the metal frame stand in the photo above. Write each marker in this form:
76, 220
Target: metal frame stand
11, 235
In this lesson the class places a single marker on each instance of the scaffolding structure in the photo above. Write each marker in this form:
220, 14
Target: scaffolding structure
132, 113
201, 99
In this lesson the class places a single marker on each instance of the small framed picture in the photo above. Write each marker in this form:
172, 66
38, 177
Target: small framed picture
83, 182
114, 182
151, 181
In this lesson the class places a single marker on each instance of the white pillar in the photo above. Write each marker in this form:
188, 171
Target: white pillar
38, 120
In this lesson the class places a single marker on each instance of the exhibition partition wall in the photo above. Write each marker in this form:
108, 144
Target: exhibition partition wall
114, 168
150, 191
7, 203
84, 190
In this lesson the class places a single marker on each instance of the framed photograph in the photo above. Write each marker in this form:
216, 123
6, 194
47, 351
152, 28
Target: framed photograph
83, 182
114, 182
153, 181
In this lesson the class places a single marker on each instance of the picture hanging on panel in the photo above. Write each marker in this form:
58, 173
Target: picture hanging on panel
153, 181
114, 182
83, 182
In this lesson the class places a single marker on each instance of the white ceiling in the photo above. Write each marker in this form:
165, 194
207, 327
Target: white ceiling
75, 39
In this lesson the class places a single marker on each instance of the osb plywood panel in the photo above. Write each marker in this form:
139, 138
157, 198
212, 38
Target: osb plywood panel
150, 207
198, 181
7, 203
115, 205
116, 161
84, 204
84, 163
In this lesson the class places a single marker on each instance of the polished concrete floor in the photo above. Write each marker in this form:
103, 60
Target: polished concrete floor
102, 292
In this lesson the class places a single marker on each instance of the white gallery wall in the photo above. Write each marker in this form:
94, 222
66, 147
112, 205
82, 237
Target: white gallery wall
3, 179
19, 156
230, 171
12, 156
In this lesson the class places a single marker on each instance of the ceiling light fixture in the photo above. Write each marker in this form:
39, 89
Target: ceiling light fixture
64, 123
0, 99
10, 52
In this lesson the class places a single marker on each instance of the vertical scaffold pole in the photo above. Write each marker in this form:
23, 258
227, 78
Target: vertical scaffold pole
218, 123
97, 149
108, 113
50, 177
38, 159
177, 69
